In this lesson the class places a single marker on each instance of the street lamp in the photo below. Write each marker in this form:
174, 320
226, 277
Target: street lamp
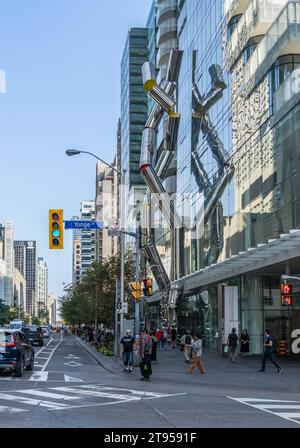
75, 152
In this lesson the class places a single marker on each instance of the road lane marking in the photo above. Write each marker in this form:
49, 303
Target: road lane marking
72, 364
41, 393
10, 410
72, 379
32, 401
57, 345
38, 376
266, 405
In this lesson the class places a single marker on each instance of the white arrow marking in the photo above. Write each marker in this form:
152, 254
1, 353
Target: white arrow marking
72, 356
71, 379
39, 376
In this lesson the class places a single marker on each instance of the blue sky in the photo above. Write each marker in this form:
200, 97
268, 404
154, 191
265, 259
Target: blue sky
62, 64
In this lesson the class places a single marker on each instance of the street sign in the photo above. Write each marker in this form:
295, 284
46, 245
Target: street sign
114, 224
123, 309
83, 225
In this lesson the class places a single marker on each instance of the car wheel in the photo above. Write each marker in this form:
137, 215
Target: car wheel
20, 367
31, 364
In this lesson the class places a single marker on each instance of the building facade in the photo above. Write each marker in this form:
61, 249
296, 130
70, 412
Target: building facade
42, 286
9, 263
107, 188
25, 255
235, 157
19, 283
134, 110
88, 238
76, 253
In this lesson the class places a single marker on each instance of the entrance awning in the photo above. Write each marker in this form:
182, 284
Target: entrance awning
279, 250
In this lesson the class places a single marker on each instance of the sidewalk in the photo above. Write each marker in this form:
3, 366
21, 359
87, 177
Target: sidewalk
219, 372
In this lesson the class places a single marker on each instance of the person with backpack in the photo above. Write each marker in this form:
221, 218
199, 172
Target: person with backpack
145, 349
197, 355
186, 340
232, 343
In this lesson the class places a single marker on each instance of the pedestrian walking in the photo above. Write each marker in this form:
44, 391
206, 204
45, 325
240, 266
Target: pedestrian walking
159, 335
244, 339
173, 337
145, 346
127, 342
154, 347
268, 353
187, 343
164, 340
232, 342
197, 355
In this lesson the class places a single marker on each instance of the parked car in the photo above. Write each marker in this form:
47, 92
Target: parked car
34, 334
46, 332
16, 352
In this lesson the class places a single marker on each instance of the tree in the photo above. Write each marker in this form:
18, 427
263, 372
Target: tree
93, 298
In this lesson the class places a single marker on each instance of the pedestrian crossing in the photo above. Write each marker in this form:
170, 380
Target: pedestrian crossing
43, 376
64, 398
286, 409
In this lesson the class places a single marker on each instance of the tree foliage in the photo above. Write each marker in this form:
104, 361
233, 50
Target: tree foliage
93, 298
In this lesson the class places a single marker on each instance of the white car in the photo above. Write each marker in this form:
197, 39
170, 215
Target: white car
46, 332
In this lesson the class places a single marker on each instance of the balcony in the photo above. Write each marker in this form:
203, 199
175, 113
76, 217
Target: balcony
235, 7
287, 96
167, 30
255, 21
166, 9
282, 38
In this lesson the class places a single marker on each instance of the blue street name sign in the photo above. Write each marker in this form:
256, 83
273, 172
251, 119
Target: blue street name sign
83, 225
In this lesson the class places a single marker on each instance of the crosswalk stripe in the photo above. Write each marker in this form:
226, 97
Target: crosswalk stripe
269, 406
41, 393
10, 410
97, 393
32, 401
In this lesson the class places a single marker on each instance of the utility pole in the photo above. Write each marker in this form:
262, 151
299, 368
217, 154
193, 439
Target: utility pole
122, 238
137, 279
116, 345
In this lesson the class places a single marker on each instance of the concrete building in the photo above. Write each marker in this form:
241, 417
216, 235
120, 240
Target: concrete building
25, 254
2, 275
107, 188
42, 285
9, 263
52, 307
76, 253
88, 238
19, 285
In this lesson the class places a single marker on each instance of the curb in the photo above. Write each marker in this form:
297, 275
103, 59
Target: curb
94, 354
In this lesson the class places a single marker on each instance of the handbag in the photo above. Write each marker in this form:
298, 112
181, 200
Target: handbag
226, 348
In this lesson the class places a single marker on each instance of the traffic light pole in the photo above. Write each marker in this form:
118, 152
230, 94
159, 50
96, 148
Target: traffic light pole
122, 241
137, 279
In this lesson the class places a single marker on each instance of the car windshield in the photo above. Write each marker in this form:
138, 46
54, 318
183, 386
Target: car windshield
5, 337
32, 328
15, 326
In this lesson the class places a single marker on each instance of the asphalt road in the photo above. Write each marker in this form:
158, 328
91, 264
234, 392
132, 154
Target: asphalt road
69, 389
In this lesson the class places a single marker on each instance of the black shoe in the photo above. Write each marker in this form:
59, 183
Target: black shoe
279, 370
260, 370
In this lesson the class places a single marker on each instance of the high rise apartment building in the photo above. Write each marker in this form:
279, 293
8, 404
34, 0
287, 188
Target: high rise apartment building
107, 188
25, 254
76, 256
42, 285
9, 263
88, 238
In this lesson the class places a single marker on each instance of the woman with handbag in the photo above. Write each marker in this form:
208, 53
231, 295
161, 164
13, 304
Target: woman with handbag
197, 354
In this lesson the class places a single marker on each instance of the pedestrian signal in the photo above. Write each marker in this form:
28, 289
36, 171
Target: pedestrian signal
286, 291
147, 290
56, 229
135, 290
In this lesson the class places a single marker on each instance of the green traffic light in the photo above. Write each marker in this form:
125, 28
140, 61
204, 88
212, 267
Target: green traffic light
56, 233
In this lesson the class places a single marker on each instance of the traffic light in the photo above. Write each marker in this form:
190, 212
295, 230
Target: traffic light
136, 291
286, 291
147, 287
56, 229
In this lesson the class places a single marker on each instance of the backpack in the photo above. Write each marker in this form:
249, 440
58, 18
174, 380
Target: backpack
147, 347
233, 338
188, 339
